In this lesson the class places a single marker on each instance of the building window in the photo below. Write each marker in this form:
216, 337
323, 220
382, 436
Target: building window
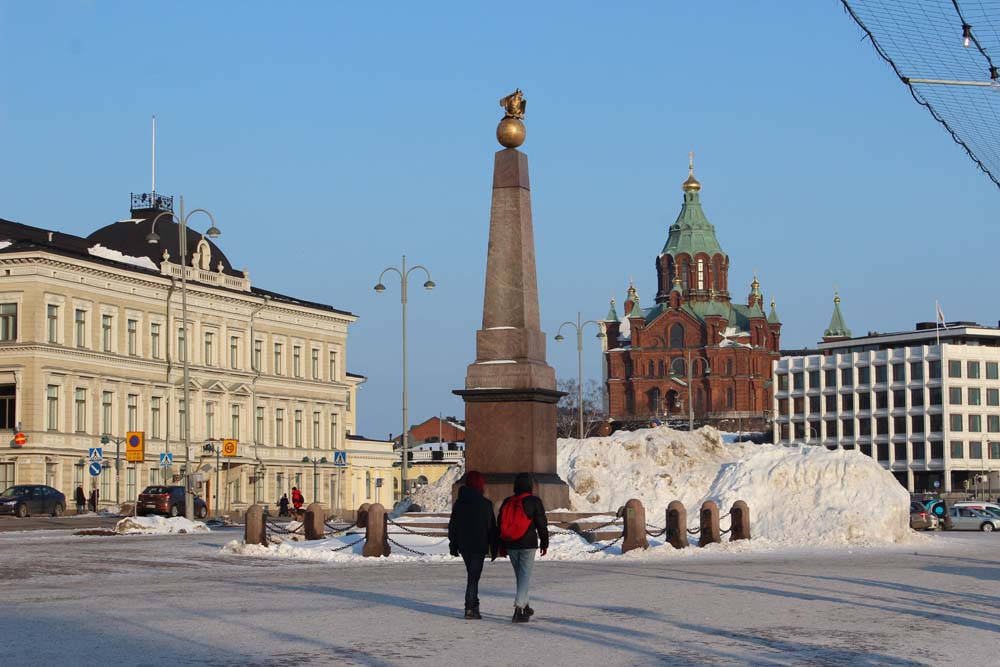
368, 484
881, 400
919, 451
864, 401
52, 407
847, 427
830, 378
279, 427
882, 426
934, 394
234, 352
297, 361
182, 416
80, 326
107, 411
154, 340
954, 369
975, 450
209, 420
53, 323
315, 431
181, 344
847, 377
864, 375
993, 397
701, 274
783, 382
132, 330
106, 322
234, 422
917, 424
975, 423
132, 411
847, 402
975, 396
154, 414
130, 476
954, 395
993, 423
782, 406
258, 429
798, 382
957, 449
899, 425
277, 358
881, 374
798, 406
8, 322
937, 423
298, 428
813, 401
677, 337
333, 367
992, 370
995, 450
258, 354
865, 427
209, 349
916, 370
972, 368
955, 422
882, 452
831, 402
934, 370
315, 364
899, 451
334, 433
916, 398
899, 399
80, 411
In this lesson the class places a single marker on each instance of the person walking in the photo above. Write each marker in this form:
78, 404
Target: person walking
472, 533
523, 530
81, 499
297, 499
283, 505
95, 496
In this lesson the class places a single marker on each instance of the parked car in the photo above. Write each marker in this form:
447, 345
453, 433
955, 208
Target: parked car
921, 518
966, 518
167, 500
25, 499
978, 505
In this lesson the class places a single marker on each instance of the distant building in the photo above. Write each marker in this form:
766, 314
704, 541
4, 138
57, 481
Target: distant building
695, 331
436, 429
431, 460
923, 403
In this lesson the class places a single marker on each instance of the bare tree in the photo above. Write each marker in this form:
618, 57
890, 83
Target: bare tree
568, 416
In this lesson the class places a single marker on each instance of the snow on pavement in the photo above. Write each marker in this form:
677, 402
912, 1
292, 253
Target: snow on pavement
158, 525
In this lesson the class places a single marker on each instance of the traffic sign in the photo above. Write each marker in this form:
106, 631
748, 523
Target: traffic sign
95, 454
340, 459
166, 459
95, 469
135, 446
229, 447
20, 439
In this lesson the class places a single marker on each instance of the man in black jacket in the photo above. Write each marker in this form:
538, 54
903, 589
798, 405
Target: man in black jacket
520, 546
472, 532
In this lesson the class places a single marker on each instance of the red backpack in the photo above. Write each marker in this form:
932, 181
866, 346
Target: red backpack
514, 523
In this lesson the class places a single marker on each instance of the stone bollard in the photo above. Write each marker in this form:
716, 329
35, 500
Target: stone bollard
376, 532
709, 519
255, 531
634, 526
363, 515
739, 517
313, 524
676, 533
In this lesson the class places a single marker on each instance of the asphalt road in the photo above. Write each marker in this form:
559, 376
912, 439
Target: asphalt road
178, 600
13, 524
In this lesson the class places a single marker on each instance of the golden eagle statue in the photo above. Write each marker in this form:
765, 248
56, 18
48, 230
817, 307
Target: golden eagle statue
514, 105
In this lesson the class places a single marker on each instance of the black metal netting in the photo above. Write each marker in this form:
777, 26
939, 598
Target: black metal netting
923, 39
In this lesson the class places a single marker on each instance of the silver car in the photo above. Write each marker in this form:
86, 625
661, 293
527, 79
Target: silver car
966, 518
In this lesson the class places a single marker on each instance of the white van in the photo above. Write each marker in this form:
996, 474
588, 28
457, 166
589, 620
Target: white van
991, 508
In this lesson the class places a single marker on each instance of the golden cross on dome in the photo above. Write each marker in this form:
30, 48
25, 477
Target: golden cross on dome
691, 162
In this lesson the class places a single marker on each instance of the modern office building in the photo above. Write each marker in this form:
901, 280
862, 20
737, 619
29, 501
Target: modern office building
924, 403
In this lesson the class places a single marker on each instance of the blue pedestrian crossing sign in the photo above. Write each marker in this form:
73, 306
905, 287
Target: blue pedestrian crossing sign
95, 468
166, 459
340, 459
95, 454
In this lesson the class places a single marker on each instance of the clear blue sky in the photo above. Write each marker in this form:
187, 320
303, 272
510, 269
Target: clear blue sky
329, 138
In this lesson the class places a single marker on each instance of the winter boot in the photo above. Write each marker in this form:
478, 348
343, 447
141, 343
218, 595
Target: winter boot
475, 613
472, 614
528, 611
519, 616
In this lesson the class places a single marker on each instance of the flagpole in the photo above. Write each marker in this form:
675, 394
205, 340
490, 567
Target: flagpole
937, 323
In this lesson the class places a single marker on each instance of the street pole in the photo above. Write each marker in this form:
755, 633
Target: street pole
315, 482
579, 326
118, 474
218, 463
690, 393
404, 275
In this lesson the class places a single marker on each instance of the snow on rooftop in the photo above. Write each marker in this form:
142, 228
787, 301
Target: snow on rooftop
107, 253
5, 244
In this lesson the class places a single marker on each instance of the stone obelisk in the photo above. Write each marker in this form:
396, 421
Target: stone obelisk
510, 391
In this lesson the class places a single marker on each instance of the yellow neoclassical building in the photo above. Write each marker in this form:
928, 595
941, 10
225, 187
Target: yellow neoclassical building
92, 344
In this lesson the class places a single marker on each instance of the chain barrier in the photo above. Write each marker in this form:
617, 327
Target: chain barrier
414, 532
405, 548
694, 532
655, 533
348, 546
721, 533
336, 530
275, 527
602, 526
604, 547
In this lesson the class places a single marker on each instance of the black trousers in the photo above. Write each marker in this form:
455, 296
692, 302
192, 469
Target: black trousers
474, 569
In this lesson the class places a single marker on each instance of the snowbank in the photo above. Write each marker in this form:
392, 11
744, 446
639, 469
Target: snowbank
432, 497
158, 525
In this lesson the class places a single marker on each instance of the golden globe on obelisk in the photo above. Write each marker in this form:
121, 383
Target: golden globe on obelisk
510, 391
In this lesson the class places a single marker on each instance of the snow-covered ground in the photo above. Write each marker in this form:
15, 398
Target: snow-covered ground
159, 525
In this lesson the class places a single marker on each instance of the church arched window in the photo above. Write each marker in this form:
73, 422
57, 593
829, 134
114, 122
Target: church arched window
654, 399
729, 366
629, 401
663, 368
651, 367
729, 399
701, 274
677, 336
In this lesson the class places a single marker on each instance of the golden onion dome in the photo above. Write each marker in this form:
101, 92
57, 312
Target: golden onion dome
691, 184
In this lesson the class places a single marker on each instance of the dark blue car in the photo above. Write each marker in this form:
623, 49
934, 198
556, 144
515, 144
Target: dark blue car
25, 499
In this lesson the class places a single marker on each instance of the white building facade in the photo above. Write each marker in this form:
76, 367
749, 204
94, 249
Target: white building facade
925, 404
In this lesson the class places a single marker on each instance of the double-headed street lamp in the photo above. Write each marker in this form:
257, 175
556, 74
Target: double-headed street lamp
152, 238
404, 275
315, 462
579, 326
690, 379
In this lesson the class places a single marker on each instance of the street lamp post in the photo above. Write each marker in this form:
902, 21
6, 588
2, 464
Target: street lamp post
212, 447
690, 380
404, 275
579, 326
105, 439
152, 238
315, 462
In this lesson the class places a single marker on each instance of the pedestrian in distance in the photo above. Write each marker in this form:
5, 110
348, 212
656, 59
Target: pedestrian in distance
297, 499
523, 530
81, 499
472, 533
283, 505
95, 497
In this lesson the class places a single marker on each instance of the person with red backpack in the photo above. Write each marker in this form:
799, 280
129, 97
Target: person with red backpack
472, 532
523, 530
297, 499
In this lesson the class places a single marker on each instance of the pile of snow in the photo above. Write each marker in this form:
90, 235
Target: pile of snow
434, 497
797, 495
158, 525
108, 253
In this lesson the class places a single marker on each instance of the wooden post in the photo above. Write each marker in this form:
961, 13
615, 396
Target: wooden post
676, 533
313, 524
255, 531
634, 526
709, 519
376, 532
739, 517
